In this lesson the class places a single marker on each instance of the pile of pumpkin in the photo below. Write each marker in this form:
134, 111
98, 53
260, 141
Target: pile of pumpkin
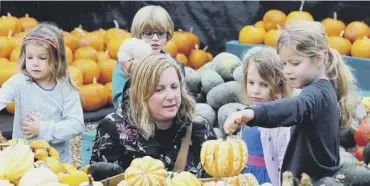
37, 164
349, 40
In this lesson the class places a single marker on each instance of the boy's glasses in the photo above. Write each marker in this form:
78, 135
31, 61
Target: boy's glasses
150, 34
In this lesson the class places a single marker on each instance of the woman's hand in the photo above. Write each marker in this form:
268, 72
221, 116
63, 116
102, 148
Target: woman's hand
237, 120
128, 66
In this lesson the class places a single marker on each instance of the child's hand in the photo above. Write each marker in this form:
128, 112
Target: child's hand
237, 120
128, 66
31, 126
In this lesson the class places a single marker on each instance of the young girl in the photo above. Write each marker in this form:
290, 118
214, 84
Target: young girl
327, 101
47, 102
154, 25
263, 81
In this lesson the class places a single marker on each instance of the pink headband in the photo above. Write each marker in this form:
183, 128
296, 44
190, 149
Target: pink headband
51, 40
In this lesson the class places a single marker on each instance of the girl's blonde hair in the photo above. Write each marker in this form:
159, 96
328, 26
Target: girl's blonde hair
152, 18
144, 82
270, 68
309, 40
49, 36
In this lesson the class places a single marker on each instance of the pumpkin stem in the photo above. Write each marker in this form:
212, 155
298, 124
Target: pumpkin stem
181, 30
80, 26
191, 30
80, 31
341, 33
196, 47
301, 7
106, 53
205, 48
335, 15
8, 14
94, 80
10, 33
116, 25
26, 16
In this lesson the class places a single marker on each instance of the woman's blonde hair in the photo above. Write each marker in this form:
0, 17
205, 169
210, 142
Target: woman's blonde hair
309, 40
152, 18
270, 68
144, 82
48, 35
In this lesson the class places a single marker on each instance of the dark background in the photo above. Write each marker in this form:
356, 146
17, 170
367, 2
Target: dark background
213, 21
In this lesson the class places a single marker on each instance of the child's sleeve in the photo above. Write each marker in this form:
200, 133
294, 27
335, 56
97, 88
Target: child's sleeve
72, 123
8, 90
119, 80
290, 111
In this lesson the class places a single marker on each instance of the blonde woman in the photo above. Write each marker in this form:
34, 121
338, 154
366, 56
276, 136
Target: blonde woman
154, 25
327, 101
152, 120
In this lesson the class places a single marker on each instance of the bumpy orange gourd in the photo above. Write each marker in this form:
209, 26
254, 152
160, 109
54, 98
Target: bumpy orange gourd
251, 35
342, 45
89, 69
273, 18
333, 26
198, 57
146, 171
361, 48
224, 158
356, 30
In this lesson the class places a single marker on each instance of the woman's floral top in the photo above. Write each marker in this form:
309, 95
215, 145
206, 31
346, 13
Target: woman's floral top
117, 141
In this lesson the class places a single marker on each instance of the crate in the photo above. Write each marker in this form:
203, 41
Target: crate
86, 146
361, 66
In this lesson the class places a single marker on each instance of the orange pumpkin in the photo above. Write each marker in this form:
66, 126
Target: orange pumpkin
361, 48
7, 70
171, 48
14, 56
10, 108
114, 45
69, 55
109, 88
113, 33
102, 91
27, 22
198, 57
251, 35
6, 45
333, 26
299, 15
272, 37
100, 33
78, 32
3, 60
102, 55
7, 25
91, 39
90, 98
182, 58
210, 56
259, 24
106, 70
272, 18
89, 69
70, 40
356, 30
194, 37
86, 52
18, 26
183, 41
342, 45
76, 75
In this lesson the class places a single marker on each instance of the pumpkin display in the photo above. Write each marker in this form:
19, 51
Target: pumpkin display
333, 26
89, 69
106, 70
171, 48
7, 70
299, 15
37, 177
243, 179
358, 152
341, 44
361, 48
362, 132
69, 40
73, 178
102, 55
115, 44
259, 24
27, 22
272, 37
76, 75
184, 42
113, 33
251, 35
69, 55
182, 59
146, 171
91, 39
198, 57
109, 88
10, 107
273, 18
224, 158
356, 30
14, 55
15, 161
182, 179
86, 52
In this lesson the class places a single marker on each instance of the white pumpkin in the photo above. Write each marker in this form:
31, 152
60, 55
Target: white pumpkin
38, 176
133, 48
